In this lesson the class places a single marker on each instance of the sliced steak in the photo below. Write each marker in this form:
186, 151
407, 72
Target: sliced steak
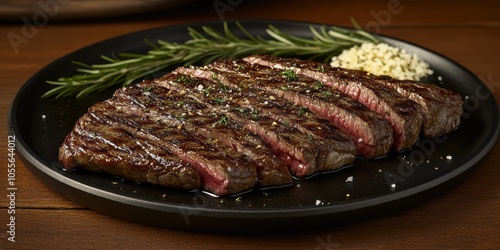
234, 124
222, 171
402, 113
171, 108
302, 154
371, 133
337, 148
441, 108
89, 146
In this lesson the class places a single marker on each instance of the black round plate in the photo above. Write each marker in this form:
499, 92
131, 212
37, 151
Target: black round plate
369, 188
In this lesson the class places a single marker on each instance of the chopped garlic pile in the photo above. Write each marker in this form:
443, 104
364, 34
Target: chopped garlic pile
383, 59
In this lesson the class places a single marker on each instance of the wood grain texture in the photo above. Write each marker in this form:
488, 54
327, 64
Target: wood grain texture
466, 217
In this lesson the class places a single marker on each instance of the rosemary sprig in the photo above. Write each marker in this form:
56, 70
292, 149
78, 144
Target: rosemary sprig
204, 47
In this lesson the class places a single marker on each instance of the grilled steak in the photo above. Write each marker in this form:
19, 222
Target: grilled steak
371, 133
402, 113
336, 148
304, 153
89, 146
172, 109
221, 170
237, 123
439, 109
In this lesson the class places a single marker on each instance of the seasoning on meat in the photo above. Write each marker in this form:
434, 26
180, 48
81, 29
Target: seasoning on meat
239, 123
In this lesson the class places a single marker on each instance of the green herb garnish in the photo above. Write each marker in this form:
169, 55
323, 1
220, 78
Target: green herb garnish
204, 47
147, 89
185, 80
223, 87
219, 100
207, 91
224, 120
311, 137
327, 94
302, 111
254, 113
241, 110
289, 75
318, 85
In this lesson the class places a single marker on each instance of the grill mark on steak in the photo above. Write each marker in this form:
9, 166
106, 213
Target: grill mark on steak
88, 146
173, 109
222, 171
295, 148
402, 113
441, 108
337, 148
371, 133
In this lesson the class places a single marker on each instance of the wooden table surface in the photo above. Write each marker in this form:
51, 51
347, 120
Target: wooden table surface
467, 216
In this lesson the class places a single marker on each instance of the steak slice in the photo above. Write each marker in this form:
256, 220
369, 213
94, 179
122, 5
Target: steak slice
171, 108
337, 150
371, 133
222, 171
441, 108
295, 148
88, 146
402, 113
